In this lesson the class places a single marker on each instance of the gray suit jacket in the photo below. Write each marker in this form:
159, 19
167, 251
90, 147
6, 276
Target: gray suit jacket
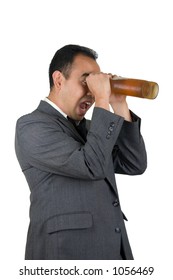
75, 211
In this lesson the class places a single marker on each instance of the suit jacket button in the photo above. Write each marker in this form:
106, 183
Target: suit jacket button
108, 136
111, 128
112, 124
117, 230
115, 203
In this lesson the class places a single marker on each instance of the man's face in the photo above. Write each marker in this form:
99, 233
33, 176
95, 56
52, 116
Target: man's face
74, 97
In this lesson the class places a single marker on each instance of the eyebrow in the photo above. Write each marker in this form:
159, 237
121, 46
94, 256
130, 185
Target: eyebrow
85, 75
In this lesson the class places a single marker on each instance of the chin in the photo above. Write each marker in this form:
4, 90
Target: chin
80, 118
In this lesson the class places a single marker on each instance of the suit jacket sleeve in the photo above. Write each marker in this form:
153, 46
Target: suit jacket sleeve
43, 144
129, 153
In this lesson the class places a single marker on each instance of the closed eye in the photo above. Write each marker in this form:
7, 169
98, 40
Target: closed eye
83, 78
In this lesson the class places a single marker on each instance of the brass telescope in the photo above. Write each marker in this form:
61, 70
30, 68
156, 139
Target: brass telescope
134, 87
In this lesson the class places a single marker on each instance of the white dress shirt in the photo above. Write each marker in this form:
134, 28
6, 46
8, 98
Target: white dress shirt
55, 107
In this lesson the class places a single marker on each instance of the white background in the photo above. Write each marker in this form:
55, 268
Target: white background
133, 39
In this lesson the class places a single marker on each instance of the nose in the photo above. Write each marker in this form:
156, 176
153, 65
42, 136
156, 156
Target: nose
90, 96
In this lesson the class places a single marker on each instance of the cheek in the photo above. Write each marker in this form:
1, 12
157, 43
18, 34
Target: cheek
76, 93
73, 93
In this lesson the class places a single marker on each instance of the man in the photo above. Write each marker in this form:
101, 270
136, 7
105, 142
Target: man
69, 162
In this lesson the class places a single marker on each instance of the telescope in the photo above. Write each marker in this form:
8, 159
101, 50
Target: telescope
134, 87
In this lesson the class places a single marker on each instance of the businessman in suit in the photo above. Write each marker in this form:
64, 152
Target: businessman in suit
70, 162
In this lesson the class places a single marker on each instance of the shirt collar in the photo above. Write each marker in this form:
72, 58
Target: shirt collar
55, 107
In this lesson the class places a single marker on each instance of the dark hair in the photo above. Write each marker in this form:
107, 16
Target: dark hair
64, 57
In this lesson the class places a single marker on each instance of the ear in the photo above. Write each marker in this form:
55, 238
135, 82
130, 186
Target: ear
57, 79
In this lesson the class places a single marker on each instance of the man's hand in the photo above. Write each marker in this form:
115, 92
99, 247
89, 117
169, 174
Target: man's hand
99, 86
119, 105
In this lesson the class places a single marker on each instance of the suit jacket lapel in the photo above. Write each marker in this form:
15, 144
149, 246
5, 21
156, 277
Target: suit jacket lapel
46, 108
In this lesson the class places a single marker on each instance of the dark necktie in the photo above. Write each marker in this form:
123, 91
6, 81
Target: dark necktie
81, 127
